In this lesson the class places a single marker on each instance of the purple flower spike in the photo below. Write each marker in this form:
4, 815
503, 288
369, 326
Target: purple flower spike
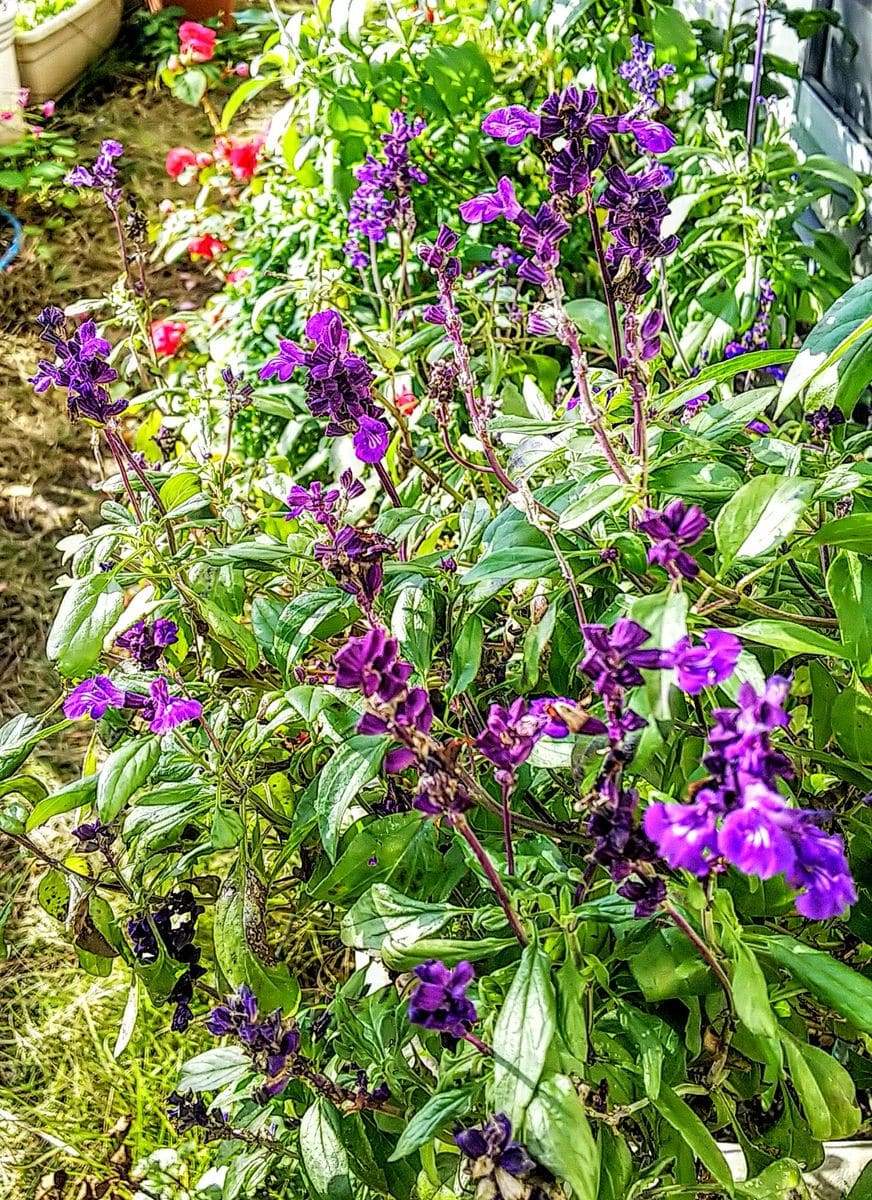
440, 1002
164, 712
490, 206
491, 1147
509, 737
614, 658
511, 125
642, 77
704, 666
685, 834
80, 368
383, 197
677, 526
371, 440
92, 697
147, 642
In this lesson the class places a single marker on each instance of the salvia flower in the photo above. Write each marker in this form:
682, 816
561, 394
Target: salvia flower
354, 558
740, 818
338, 384
146, 642
501, 1168
641, 76
383, 196
679, 525
92, 697
271, 1043
757, 337
93, 835
620, 845
635, 208
698, 667
165, 712
440, 1002
614, 657
102, 175
509, 736
172, 926
80, 368
822, 421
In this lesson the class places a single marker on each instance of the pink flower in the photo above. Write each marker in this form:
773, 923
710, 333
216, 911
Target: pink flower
196, 42
179, 159
167, 336
48, 108
238, 275
242, 70
6, 116
206, 246
241, 156
23, 97
406, 401
204, 159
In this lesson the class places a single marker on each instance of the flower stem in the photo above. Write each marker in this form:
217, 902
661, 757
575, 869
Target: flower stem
481, 1047
703, 950
507, 831
611, 303
119, 462
459, 823
751, 124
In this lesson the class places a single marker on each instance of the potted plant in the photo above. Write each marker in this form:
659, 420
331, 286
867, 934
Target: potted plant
55, 40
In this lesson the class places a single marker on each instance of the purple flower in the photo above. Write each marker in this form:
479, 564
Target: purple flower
509, 737
164, 712
756, 837
80, 368
491, 1148
371, 439
147, 642
172, 928
685, 834
489, 206
370, 664
92, 697
272, 1045
703, 666
338, 384
511, 125
440, 1002
102, 176
757, 338
821, 869
383, 196
642, 77
562, 717
822, 422
677, 526
613, 657
314, 500
440, 257
651, 136
354, 559
636, 208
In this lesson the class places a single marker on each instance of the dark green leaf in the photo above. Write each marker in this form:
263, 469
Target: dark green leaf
77, 794
323, 1154
342, 777
835, 362
789, 636
838, 986
88, 612
522, 1035
849, 584
440, 1110
825, 1090
558, 1134
125, 770
466, 655
684, 1121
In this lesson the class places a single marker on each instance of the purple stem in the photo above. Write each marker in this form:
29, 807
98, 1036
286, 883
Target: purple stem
481, 1047
119, 462
751, 125
507, 831
611, 303
387, 484
459, 823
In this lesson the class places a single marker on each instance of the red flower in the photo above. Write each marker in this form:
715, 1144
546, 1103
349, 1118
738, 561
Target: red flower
238, 275
239, 155
206, 246
196, 42
406, 401
167, 336
178, 161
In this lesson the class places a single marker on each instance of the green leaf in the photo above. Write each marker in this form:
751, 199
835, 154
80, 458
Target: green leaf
646, 1036
522, 1035
674, 39
440, 1110
761, 515
448, 950
664, 615
788, 636
412, 623
696, 480
466, 655
125, 770
592, 318
597, 499
384, 912
300, 621
77, 794
88, 612
684, 1121
53, 893
751, 994
849, 533
781, 1180
17, 739
825, 1090
221, 1067
849, 585
502, 566
834, 365
558, 1134
241, 946
851, 717
323, 1154
838, 986
342, 777
236, 640
190, 86
461, 76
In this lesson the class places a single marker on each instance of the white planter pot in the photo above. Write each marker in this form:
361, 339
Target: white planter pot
52, 57
9, 81
832, 1180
